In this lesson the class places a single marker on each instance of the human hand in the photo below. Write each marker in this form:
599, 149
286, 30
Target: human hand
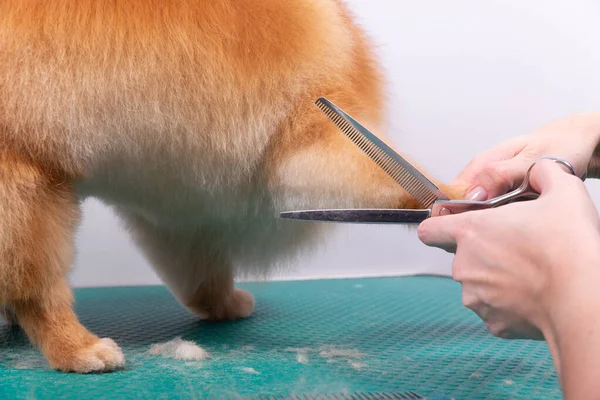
503, 168
522, 263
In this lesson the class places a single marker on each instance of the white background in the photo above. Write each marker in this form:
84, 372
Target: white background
464, 75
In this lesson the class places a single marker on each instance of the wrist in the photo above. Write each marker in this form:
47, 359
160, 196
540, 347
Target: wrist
571, 326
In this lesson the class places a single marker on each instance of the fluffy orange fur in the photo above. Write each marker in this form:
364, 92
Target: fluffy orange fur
195, 121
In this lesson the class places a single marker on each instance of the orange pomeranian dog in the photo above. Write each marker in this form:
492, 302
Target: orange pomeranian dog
195, 121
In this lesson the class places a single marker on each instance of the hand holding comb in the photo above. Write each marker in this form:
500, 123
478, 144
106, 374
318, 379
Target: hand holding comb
436, 202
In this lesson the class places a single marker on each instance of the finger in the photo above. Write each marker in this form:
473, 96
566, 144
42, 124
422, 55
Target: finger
499, 177
486, 173
502, 152
470, 300
442, 231
547, 174
506, 325
462, 267
473, 302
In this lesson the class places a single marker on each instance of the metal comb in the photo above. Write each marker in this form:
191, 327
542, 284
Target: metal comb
407, 176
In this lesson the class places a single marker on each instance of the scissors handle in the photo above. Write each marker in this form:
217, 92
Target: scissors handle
524, 192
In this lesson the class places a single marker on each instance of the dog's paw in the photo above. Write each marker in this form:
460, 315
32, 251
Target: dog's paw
242, 304
102, 356
239, 305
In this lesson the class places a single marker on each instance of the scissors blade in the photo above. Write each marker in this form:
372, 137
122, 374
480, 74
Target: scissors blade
364, 216
403, 172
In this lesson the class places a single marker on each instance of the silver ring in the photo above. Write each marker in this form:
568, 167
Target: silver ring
556, 160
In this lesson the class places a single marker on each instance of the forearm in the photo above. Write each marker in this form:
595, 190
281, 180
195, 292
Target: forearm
577, 358
573, 336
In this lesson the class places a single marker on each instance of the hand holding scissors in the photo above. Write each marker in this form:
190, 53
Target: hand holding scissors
435, 201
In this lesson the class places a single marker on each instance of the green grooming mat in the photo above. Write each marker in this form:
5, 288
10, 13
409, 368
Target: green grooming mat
306, 339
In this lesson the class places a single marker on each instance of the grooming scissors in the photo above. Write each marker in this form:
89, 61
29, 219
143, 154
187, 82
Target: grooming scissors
435, 201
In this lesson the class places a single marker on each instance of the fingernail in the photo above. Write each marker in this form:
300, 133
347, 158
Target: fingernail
477, 194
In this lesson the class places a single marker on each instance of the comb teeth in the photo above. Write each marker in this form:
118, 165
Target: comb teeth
408, 181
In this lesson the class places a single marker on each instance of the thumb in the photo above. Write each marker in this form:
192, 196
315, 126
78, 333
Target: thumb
547, 174
443, 231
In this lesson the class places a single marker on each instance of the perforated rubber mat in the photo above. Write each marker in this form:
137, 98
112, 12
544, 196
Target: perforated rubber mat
326, 337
